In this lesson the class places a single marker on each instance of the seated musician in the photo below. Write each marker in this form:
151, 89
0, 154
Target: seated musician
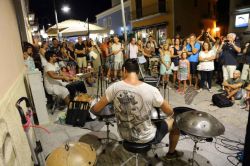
233, 85
133, 101
58, 83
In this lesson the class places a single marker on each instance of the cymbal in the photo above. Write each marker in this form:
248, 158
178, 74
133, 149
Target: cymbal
75, 154
199, 124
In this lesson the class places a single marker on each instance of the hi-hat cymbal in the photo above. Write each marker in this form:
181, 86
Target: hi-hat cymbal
199, 124
74, 155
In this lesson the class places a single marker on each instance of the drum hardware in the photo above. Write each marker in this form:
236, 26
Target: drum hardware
165, 84
106, 115
199, 126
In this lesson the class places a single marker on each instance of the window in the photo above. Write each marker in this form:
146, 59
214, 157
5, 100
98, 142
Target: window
162, 6
109, 21
104, 23
138, 4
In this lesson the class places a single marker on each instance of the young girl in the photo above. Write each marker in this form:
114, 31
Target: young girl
165, 69
183, 72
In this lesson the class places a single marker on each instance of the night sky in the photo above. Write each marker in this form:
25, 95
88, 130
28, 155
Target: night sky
80, 10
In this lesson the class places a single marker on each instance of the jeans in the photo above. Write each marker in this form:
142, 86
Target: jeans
206, 76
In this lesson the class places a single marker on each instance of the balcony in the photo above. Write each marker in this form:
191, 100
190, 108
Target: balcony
152, 9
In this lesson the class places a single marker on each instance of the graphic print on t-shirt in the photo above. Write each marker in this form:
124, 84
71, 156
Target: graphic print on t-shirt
133, 120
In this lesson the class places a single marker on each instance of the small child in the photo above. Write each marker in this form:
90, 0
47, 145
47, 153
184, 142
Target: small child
183, 72
165, 68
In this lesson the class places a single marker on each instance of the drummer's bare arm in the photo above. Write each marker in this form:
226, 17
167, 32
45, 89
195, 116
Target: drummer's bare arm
165, 107
100, 105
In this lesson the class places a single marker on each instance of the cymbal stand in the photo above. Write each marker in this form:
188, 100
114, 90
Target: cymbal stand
196, 140
99, 83
165, 84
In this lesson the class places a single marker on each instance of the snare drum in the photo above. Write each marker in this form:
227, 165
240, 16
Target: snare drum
157, 114
83, 97
107, 111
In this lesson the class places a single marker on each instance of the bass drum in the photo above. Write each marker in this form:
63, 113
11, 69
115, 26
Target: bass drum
73, 154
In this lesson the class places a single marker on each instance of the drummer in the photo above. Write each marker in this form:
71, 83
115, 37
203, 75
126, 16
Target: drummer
133, 101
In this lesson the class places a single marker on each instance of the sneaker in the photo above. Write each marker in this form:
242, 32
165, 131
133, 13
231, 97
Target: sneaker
175, 155
244, 106
199, 90
168, 87
210, 90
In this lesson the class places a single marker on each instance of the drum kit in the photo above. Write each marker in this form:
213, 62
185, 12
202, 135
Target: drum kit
199, 126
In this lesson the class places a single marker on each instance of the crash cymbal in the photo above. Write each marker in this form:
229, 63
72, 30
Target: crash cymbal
72, 154
199, 124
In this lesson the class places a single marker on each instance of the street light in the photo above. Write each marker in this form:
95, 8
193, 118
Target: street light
65, 9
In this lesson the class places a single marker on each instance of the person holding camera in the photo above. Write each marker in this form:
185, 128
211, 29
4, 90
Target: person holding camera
229, 50
246, 69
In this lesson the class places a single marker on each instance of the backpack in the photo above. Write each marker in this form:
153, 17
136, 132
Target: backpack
221, 101
77, 113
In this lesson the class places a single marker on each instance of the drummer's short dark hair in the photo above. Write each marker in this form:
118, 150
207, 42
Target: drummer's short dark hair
131, 65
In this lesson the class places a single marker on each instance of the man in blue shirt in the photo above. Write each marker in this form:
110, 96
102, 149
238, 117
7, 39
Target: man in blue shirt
193, 48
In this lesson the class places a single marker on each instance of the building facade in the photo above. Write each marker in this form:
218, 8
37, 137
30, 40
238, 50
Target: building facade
14, 146
112, 18
166, 18
239, 19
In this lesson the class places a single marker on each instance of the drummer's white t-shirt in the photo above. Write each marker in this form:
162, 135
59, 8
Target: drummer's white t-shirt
133, 105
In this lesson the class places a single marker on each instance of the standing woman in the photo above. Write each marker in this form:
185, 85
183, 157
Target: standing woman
206, 65
142, 60
148, 51
72, 57
165, 69
94, 52
109, 60
175, 57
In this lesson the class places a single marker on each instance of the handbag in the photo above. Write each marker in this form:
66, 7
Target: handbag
93, 55
141, 59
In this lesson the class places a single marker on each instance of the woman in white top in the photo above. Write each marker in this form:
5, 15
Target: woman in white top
206, 65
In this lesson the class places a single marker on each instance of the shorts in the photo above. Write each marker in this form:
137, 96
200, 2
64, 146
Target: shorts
176, 68
193, 67
82, 62
118, 65
161, 131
